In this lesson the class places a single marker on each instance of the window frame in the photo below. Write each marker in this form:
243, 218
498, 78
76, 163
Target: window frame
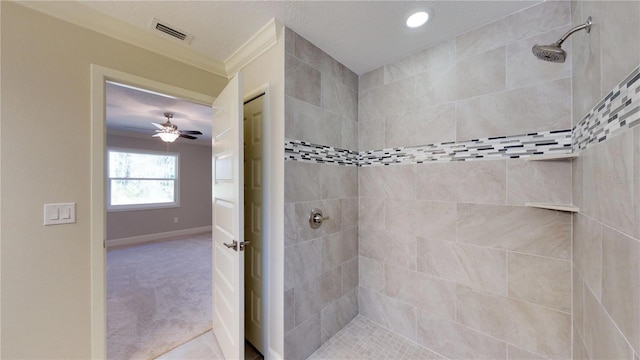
151, 206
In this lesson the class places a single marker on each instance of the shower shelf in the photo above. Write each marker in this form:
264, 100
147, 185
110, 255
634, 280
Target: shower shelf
559, 207
552, 157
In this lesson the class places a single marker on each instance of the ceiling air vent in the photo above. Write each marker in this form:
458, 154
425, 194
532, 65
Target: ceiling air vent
171, 31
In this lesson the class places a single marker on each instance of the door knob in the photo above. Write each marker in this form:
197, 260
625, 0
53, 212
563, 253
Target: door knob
316, 218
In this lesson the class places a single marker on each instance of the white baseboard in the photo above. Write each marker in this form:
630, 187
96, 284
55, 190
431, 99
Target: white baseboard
155, 237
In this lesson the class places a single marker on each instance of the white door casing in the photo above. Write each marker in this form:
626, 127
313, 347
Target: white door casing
228, 219
253, 229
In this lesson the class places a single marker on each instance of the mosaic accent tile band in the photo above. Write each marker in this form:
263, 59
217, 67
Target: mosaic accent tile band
500, 147
297, 150
617, 112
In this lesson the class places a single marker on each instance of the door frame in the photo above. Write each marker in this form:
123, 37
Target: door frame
99, 75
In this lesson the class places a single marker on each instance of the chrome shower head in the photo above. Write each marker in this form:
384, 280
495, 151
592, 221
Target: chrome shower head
551, 53
554, 52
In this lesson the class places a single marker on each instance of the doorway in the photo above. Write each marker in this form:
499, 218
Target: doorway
158, 219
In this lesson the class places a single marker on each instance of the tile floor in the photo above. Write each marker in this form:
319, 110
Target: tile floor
206, 347
363, 339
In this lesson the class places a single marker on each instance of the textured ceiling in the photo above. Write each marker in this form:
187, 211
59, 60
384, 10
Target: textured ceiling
360, 34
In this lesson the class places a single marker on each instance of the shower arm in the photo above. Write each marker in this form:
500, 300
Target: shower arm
586, 25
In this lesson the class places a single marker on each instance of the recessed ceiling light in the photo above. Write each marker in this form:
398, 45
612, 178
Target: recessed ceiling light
417, 19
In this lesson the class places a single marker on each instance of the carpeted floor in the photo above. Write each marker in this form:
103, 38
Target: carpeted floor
158, 296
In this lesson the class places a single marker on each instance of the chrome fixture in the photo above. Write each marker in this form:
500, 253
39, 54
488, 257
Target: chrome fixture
554, 52
234, 245
316, 218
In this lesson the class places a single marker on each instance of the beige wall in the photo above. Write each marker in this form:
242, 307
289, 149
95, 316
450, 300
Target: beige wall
606, 179
45, 151
449, 255
321, 265
195, 192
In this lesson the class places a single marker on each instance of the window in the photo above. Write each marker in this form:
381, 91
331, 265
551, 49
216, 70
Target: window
140, 179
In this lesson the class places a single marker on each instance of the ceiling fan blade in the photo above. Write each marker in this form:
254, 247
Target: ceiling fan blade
159, 126
188, 136
191, 132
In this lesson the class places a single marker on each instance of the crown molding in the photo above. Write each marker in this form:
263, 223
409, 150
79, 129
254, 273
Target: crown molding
257, 45
86, 17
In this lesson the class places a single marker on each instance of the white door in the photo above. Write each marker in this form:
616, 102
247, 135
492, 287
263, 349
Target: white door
253, 150
228, 220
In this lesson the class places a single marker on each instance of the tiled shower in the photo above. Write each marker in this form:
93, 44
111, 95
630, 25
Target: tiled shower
422, 166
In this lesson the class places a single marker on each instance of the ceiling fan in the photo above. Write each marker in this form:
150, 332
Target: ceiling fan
169, 132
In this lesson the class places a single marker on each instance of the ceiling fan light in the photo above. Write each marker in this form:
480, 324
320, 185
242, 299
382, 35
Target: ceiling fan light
168, 136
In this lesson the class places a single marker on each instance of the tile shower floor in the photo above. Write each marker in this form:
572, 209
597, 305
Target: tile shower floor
364, 339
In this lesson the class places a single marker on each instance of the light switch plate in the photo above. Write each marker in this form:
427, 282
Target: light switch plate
62, 213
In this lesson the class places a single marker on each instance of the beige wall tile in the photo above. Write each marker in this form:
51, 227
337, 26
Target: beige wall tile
399, 70
339, 98
289, 310
396, 316
339, 181
469, 265
371, 273
619, 22
578, 302
586, 62
425, 126
621, 282
483, 312
290, 230
540, 280
602, 338
394, 98
302, 182
540, 330
371, 134
433, 219
339, 248
608, 181
530, 327
302, 81
349, 134
545, 106
579, 351
370, 80
515, 353
477, 181
371, 212
392, 248
303, 340
435, 86
316, 293
521, 229
455, 341
420, 290
350, 78
636, 177
538, 181
587, 251
350, 275
481, 74
523, 24
349, 213
338, 314
313, 124
302, 262
435, 56
391, 182
523, 69
576, 177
